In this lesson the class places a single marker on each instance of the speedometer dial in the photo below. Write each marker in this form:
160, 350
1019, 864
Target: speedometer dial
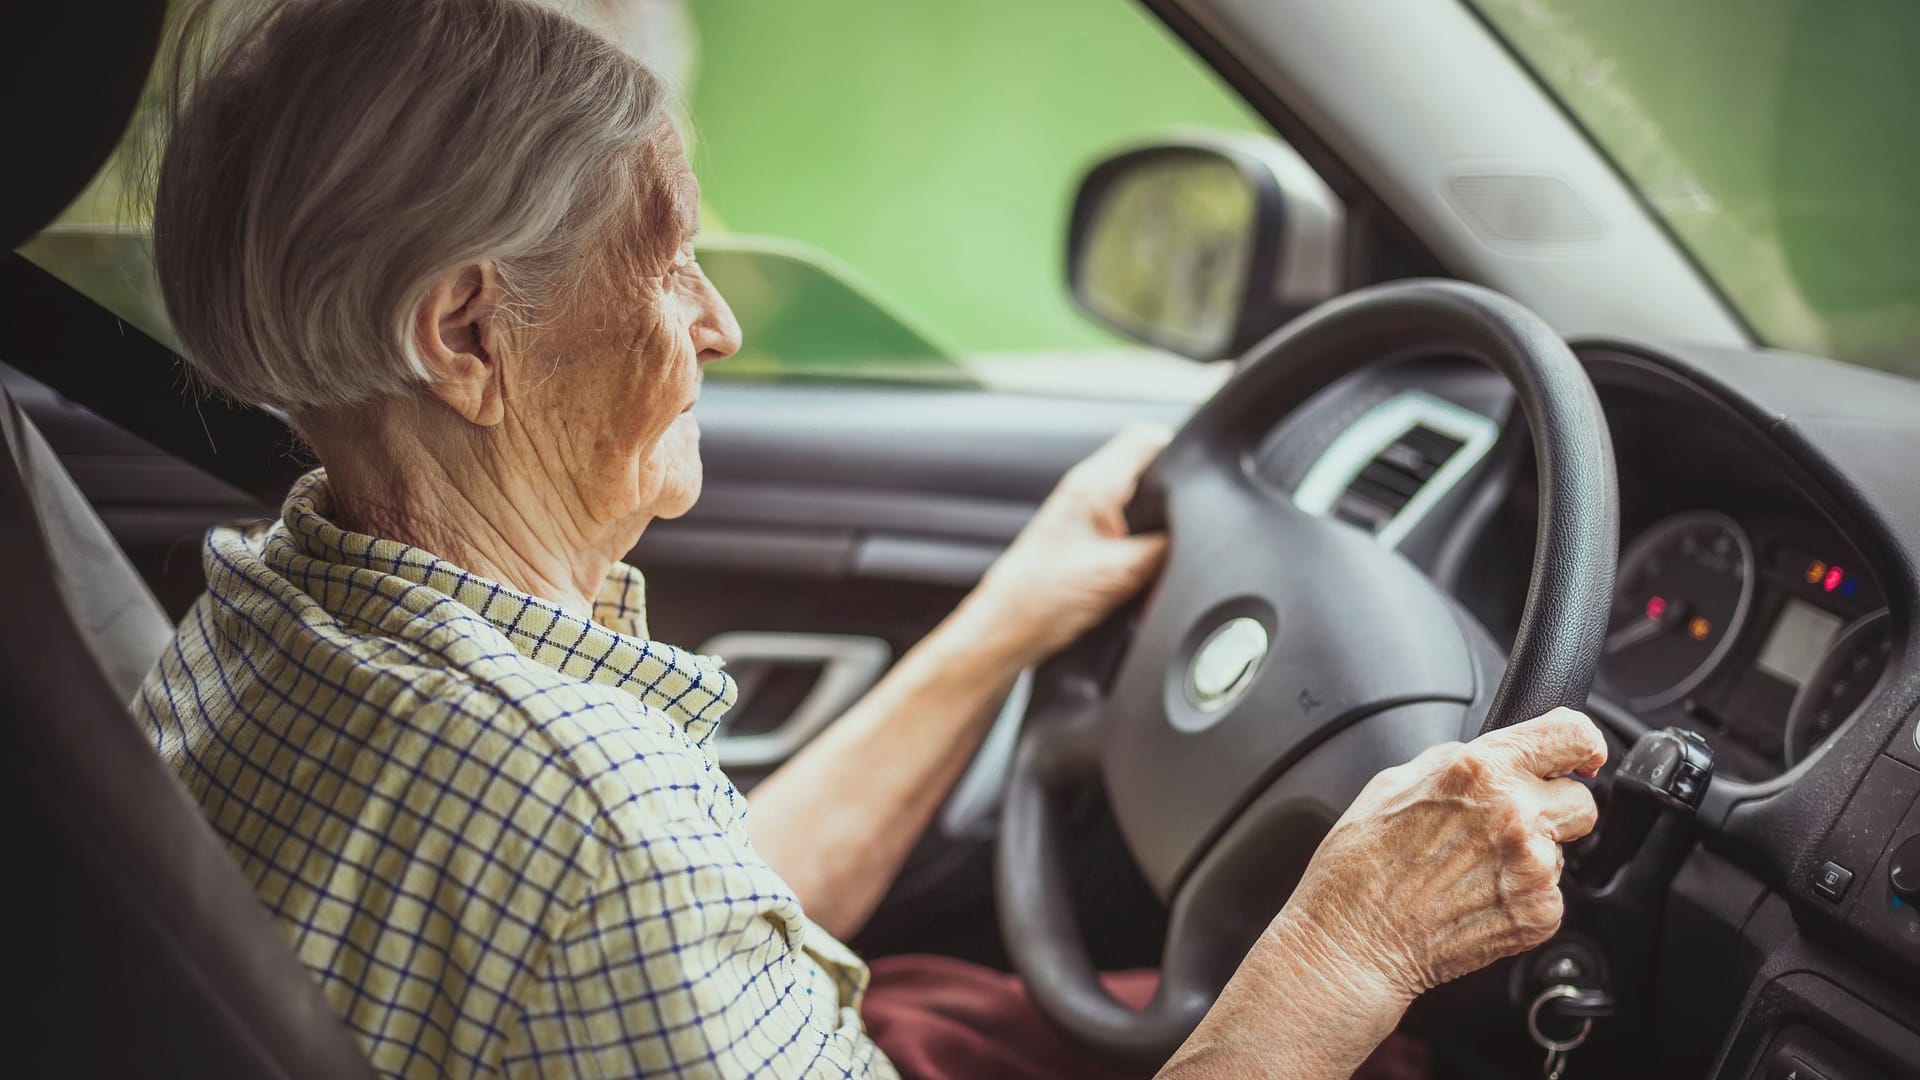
1684, 589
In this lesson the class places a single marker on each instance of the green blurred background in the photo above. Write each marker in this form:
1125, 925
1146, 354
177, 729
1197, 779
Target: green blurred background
934, 146
886, 185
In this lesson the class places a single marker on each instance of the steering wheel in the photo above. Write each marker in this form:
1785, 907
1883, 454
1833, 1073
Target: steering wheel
1284, 659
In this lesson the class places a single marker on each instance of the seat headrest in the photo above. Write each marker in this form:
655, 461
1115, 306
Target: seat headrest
74, 72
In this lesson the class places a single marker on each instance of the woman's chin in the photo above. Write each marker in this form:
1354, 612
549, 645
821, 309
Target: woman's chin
676, 503
680, 490
673, 477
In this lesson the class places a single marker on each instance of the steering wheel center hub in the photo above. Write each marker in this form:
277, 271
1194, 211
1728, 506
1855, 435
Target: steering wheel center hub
1222, 667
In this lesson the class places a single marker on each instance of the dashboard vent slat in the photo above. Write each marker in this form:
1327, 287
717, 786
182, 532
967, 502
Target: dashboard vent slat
1395, 475
1358, 510
1402, 482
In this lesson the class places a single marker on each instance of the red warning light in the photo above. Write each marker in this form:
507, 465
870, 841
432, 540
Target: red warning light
1835, 576
1656, 607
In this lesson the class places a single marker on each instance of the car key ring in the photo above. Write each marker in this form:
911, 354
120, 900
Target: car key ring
1557, 1050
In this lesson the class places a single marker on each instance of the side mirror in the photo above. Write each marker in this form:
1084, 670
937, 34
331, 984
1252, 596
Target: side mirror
1205, 245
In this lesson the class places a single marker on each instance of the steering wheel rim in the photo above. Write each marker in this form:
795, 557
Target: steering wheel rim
1258, 759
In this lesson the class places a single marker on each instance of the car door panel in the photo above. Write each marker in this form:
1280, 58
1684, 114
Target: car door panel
857, 510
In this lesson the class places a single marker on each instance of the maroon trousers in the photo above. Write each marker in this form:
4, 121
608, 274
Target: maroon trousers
944, 1019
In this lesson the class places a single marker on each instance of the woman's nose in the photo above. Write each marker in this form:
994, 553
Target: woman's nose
716, 333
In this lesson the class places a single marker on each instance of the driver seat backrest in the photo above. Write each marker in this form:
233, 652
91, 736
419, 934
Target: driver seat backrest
142, 949
118, 618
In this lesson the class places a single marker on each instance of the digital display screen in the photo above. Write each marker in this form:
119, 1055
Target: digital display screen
1799, 639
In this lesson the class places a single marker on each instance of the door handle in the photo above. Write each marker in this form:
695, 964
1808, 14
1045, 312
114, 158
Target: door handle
849, 666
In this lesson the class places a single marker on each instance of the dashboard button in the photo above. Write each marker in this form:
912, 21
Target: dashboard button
1903, 873
1831, 881
1686, 784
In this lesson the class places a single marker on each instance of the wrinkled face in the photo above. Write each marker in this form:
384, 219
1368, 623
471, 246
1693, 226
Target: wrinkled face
608, 401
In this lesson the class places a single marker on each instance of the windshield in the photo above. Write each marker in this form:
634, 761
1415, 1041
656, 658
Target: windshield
1777, 140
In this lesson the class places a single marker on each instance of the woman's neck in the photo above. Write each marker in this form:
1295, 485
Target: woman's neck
479, 505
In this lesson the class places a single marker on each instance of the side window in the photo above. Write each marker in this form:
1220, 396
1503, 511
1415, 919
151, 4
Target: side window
886, 186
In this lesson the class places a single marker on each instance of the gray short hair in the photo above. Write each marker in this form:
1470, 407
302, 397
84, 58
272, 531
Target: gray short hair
328, 160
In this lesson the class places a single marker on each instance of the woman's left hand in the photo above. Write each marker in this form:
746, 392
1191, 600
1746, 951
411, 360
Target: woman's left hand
1075, 561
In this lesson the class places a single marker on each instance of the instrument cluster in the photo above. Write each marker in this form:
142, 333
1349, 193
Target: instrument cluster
1764, 636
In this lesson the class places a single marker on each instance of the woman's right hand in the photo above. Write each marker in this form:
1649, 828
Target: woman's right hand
1452, 861
1441, 866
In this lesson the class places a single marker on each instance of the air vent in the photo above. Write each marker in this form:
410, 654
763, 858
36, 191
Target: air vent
1387, 468
1394, 477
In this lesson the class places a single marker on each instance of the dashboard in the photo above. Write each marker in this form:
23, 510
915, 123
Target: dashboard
1741, 610
1770, 534
1746, 607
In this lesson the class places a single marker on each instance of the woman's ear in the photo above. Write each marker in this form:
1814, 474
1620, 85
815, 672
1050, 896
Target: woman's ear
458, 328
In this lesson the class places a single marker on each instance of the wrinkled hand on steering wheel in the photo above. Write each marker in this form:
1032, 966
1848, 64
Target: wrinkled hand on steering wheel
1452, 861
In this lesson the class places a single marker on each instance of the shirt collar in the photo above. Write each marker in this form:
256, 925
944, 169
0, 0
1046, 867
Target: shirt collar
613, 649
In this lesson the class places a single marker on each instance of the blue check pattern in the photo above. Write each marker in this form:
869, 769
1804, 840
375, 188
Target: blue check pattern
495, 832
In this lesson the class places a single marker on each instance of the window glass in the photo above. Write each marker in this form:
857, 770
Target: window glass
930, 152
1775, 138
885, 187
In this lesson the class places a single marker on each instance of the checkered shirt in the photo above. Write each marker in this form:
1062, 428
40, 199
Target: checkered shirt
494, 831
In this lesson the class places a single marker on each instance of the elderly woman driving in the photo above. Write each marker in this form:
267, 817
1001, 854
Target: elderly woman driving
453, 241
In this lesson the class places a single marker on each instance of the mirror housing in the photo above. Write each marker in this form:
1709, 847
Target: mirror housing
1204, 244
